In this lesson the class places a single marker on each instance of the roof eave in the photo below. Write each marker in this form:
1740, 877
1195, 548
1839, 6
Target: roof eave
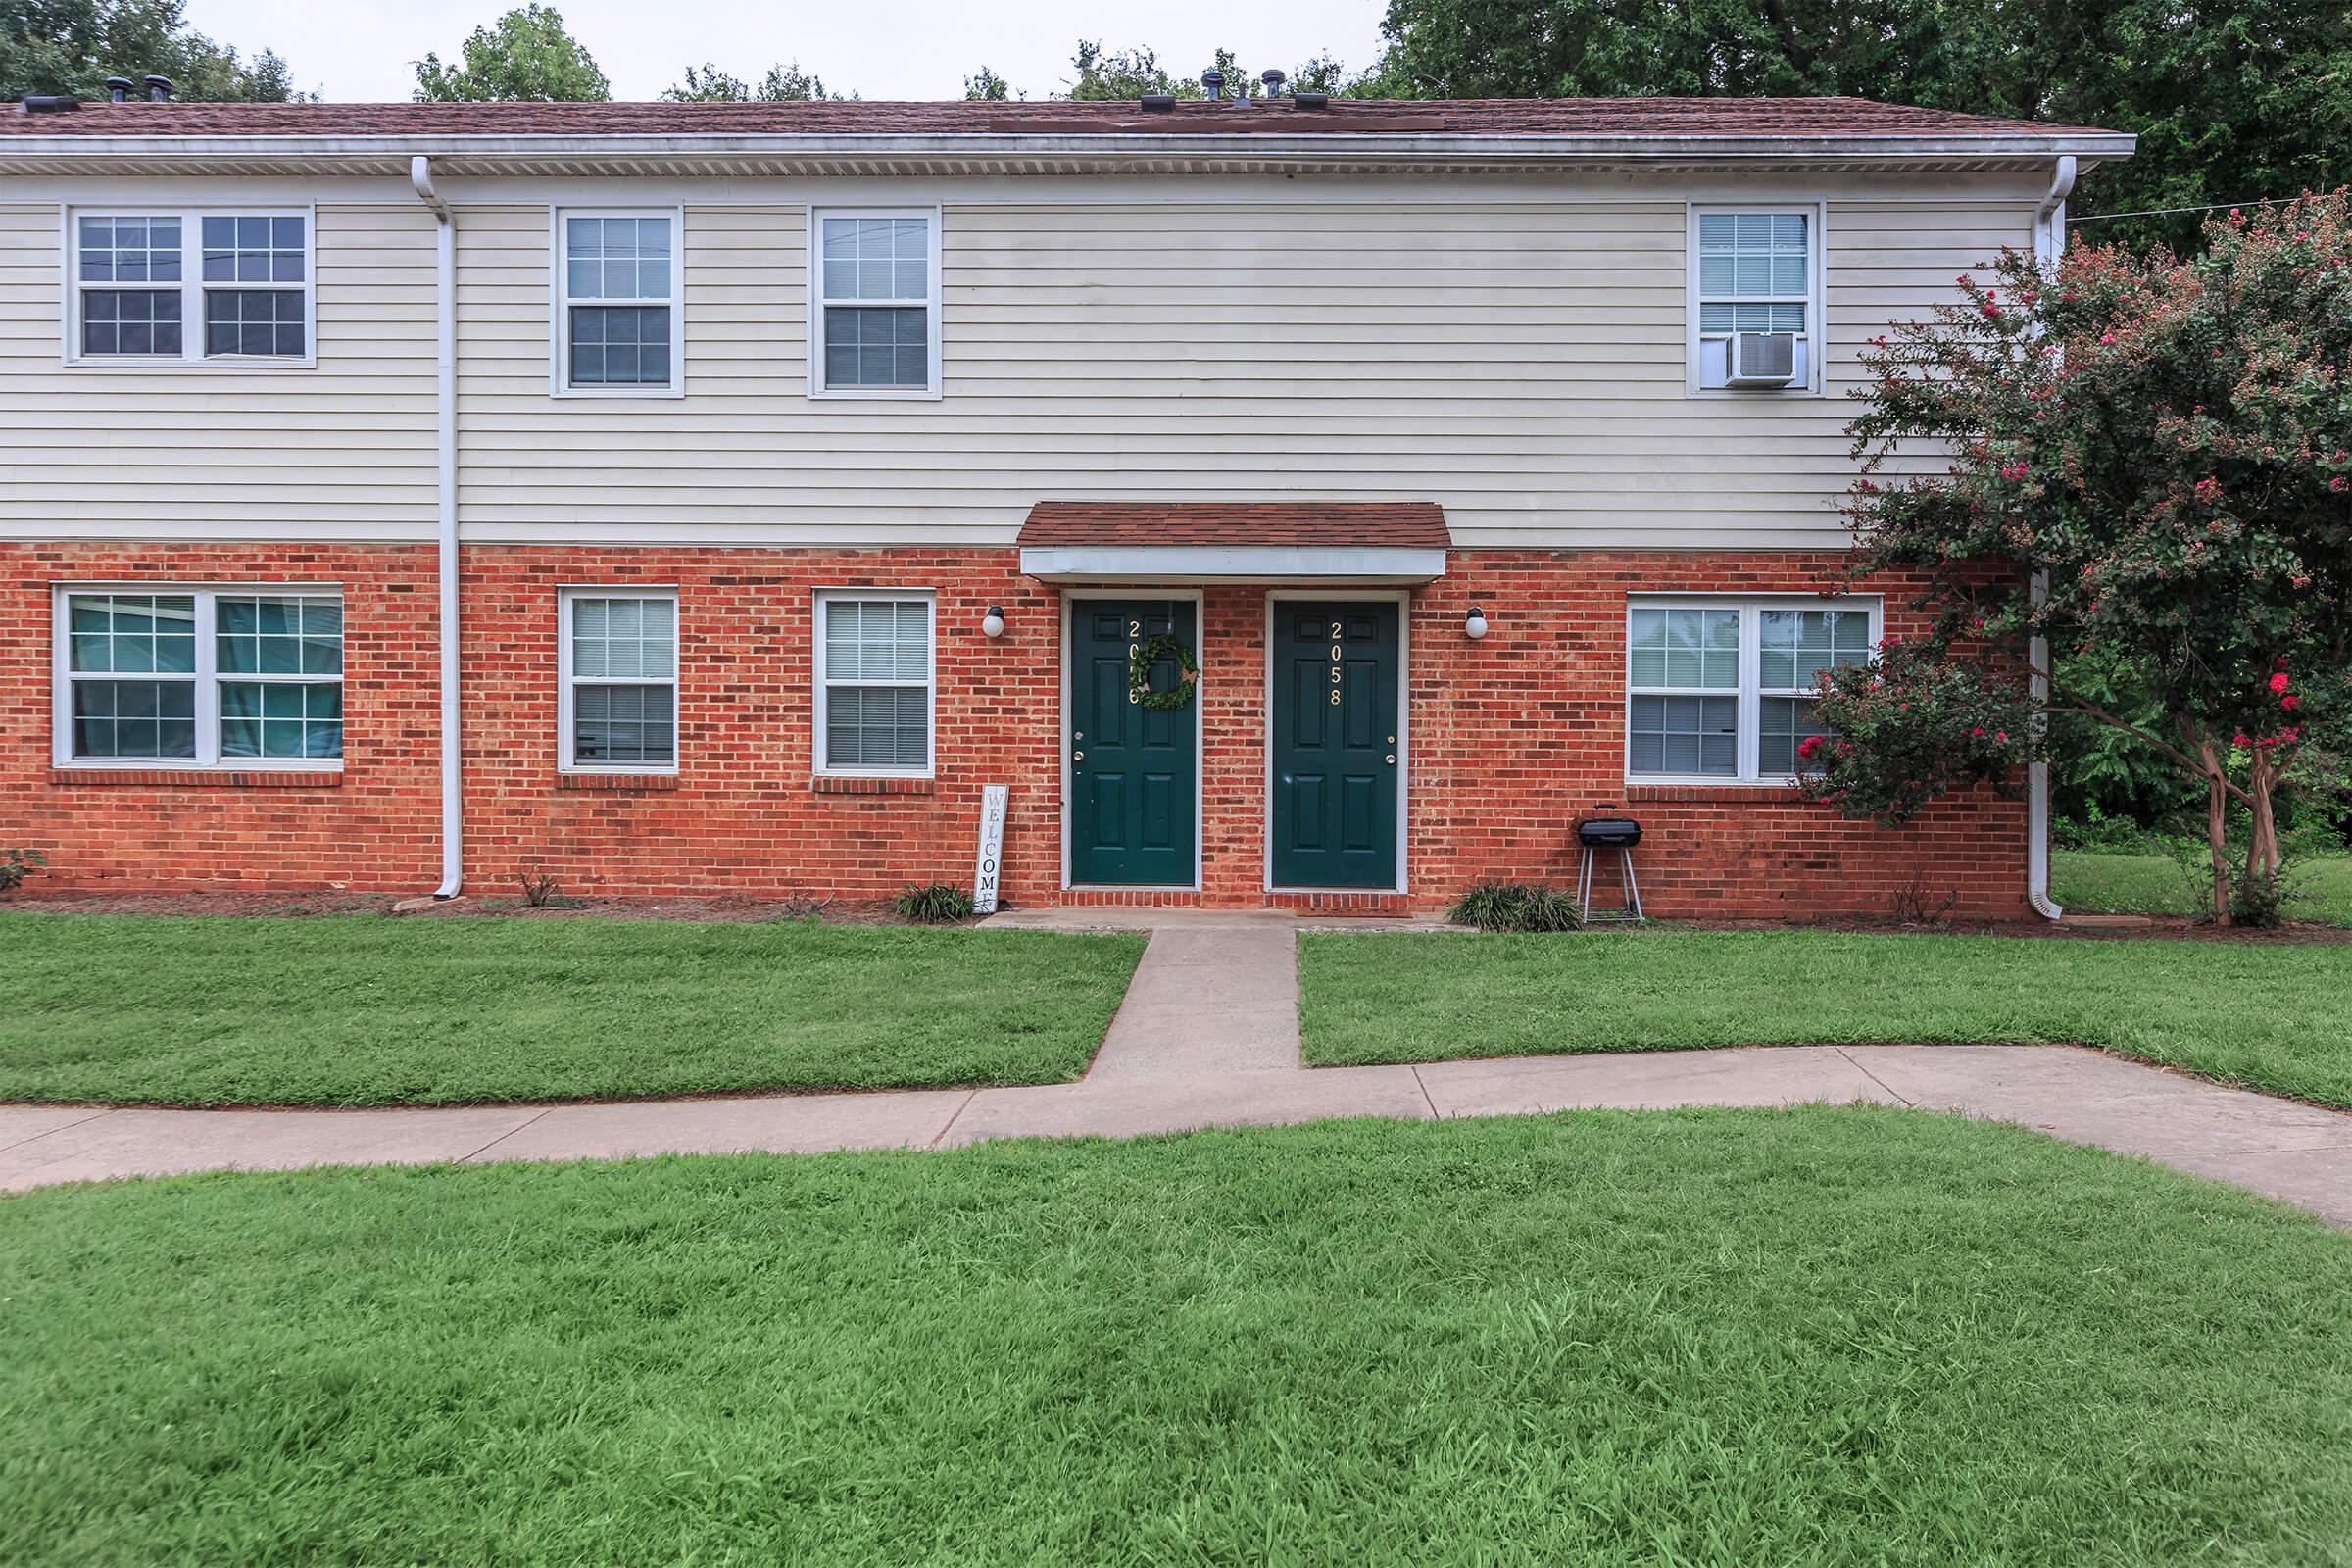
1025, 153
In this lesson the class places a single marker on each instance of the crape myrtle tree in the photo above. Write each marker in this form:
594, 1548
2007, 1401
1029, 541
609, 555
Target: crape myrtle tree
2165, 445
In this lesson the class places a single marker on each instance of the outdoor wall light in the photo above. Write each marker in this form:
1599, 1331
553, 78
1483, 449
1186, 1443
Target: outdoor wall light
1474, 625
992, 624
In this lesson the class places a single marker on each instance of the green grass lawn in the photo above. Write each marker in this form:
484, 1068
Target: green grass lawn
2317, 889
1730, 1337
373, 1011
2271, 1015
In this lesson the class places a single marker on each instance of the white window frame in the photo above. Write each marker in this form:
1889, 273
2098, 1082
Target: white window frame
207, 677
191, 288
559, 303
568, 683
819, 763
1751, 692
935, 308
1816, 307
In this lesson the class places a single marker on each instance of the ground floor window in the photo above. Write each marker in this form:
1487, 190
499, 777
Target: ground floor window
1721, 689
619, 681
873, 683
200, 677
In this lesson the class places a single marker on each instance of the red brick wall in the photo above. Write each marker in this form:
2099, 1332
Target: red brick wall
374, 827
1511, 737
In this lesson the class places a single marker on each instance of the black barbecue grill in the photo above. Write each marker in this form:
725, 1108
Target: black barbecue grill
1597, 834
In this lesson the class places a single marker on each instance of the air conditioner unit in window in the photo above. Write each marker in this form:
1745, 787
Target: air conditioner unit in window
1763, 359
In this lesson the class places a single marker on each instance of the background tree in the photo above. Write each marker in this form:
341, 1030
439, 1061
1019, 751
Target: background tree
2168, 444
1103, 75
525, 56
707, 83
72, 46
2231, 103
986, 87
1107, 75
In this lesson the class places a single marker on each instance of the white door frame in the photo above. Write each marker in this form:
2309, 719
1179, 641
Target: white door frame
1403, 599
1061, 731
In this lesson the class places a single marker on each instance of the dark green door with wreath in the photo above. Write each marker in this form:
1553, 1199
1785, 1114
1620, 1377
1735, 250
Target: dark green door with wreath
1134, 770
1335, 771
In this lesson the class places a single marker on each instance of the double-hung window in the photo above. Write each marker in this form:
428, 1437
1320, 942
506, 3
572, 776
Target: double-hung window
1721, 689
199, 677
873, 683
874, 328
1754, 272
618, 325
180, 287
619, 682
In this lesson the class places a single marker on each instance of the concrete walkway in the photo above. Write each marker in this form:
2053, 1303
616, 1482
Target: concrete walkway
1208, 1037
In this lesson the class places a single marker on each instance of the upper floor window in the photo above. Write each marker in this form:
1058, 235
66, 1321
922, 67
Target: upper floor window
1754, 300
189, 286
616, 304
199, 677
874, 321
1722, 691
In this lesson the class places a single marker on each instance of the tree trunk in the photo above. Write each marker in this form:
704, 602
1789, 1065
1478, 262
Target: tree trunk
2262, 855
2216, 829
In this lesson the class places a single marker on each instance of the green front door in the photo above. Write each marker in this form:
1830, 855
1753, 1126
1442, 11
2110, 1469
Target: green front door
1335, 734
1134, 770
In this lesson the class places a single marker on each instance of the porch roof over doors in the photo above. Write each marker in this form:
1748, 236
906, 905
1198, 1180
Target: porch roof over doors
1174, 542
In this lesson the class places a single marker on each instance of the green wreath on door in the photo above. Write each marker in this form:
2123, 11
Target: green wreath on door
1148, 654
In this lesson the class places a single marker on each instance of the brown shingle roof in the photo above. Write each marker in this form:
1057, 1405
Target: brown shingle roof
1507, 117
1285, 525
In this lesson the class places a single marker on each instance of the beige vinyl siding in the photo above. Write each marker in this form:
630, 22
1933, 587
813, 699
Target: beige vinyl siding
345, 448
1518, 358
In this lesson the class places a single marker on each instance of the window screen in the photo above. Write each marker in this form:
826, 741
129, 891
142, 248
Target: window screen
875, 680
624, 669
875, 305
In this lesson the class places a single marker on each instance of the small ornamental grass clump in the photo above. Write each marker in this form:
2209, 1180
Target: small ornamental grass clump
17, 865
2149, 474
938, 903
1515, 907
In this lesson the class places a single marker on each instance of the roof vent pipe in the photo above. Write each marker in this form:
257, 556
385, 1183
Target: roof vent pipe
1214, 80
118, 89
159, 89
1274, 80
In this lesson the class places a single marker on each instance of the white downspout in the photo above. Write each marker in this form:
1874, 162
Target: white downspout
2049, 244
445, 293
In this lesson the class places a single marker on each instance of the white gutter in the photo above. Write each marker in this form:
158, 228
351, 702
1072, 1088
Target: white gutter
2049, 244
444, 363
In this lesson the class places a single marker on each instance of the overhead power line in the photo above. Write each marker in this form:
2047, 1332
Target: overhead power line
2166, 212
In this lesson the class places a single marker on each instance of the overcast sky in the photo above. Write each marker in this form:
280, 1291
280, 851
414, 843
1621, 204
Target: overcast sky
913, 49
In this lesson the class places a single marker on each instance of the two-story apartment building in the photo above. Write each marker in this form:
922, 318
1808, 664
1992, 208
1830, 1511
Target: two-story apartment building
718, 497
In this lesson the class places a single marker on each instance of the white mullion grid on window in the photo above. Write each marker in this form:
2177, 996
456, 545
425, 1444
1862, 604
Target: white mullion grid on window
206, 678
192, 287
820, 748
568, 682
935, 325
561, 302
1813, 299
1749, 746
